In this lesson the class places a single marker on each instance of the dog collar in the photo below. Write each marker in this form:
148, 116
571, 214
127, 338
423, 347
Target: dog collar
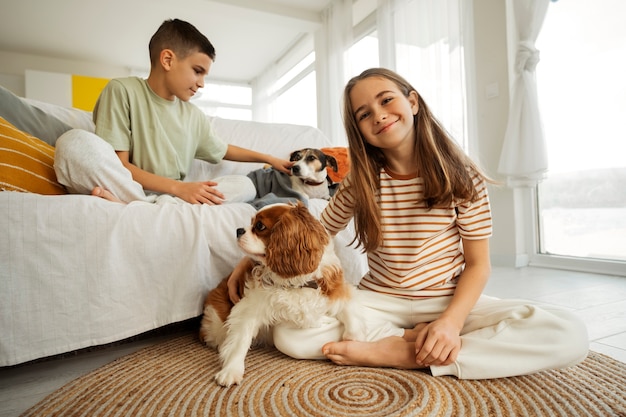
307, 182
310, 284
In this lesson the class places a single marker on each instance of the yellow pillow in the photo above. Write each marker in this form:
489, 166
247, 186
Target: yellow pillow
26, 163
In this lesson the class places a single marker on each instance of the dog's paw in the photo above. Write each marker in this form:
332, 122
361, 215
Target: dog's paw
228, 377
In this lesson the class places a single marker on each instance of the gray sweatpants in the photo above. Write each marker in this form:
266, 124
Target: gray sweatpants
83, 160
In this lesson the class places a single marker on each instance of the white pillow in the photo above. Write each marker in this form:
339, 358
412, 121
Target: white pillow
278, 139
76, 118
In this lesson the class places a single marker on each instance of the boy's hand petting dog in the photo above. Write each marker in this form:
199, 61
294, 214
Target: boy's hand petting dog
281, 165
199, 192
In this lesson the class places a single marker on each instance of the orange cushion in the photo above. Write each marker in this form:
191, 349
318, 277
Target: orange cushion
26, 163
343, 162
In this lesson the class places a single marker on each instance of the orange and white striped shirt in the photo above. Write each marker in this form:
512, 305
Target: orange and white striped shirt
421, 254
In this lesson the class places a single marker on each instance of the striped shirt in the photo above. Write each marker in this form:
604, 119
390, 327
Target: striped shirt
421, 254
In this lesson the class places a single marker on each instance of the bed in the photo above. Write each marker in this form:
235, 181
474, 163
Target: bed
78, 271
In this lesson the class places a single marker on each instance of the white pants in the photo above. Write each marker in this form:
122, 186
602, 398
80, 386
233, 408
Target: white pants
501, 338
83, 160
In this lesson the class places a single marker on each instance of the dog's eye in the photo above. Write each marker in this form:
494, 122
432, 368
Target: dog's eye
311, 158
259, 227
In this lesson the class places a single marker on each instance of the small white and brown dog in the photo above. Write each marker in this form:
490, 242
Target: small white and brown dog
293, 276
308, 173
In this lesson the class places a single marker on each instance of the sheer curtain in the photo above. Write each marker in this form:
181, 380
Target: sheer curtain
422, 41
524, 158
332, 42
262, 103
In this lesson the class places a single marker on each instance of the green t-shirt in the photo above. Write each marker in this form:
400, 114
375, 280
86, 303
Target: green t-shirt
163, 137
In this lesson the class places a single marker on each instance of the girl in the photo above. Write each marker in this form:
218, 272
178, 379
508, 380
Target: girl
422, 215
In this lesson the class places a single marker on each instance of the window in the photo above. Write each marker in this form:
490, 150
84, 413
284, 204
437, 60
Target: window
295, 94
228, 101
298, 105
582, 96
287, 92
364, 53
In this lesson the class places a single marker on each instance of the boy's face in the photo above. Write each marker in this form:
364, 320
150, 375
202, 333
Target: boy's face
185, 76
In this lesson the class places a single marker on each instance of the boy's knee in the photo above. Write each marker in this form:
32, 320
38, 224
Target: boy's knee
64, 143
236, 188
76, 144
70, 136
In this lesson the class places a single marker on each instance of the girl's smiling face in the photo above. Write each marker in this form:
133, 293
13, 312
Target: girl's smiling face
384, 114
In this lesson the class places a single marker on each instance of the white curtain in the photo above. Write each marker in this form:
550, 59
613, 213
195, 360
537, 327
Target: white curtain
524, 157
385, 24
262, 103
422, 41
332, 42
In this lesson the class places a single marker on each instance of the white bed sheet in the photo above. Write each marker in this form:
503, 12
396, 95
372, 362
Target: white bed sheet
78, 271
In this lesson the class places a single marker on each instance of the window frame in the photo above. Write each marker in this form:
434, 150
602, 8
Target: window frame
527, 201
531, 218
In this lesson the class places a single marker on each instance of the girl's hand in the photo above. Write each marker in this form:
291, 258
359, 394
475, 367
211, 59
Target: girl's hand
237, 279
199, 192
437, 343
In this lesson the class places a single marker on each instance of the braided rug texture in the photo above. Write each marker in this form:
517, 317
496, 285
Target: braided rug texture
175, 378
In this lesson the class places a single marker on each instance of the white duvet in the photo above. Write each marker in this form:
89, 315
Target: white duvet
78, 271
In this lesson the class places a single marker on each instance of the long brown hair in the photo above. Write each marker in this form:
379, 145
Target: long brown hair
445, 168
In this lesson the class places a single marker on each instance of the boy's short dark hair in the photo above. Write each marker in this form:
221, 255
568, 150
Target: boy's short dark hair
181, 37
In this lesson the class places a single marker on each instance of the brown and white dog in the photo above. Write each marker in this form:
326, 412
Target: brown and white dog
293, 276
308, 173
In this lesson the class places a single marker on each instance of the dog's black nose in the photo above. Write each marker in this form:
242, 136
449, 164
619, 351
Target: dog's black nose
240, 232
295, 169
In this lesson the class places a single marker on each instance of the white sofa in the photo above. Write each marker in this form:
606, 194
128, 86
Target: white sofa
78, 271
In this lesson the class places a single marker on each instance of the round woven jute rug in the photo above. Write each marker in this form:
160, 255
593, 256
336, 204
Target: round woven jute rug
175, 378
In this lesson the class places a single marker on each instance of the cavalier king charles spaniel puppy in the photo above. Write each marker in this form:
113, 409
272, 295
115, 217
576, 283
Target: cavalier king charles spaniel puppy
308, 173
293, 276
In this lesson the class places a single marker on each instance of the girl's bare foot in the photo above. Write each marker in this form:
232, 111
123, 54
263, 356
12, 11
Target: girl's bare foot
391, 352
105, 194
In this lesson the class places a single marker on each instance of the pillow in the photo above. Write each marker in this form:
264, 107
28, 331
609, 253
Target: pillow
73, 117
343, 162
278, 139
26, 163
30, 118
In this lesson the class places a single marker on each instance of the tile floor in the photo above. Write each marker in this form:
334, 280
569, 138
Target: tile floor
599, 299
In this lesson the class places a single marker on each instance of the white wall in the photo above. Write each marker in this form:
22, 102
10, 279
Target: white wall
13, 67
492, 70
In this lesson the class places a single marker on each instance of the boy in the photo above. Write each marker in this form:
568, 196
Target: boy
155, 132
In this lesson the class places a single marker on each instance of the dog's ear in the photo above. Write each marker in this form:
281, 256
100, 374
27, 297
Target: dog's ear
295, 156
331, 162
332, 284
297, 243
